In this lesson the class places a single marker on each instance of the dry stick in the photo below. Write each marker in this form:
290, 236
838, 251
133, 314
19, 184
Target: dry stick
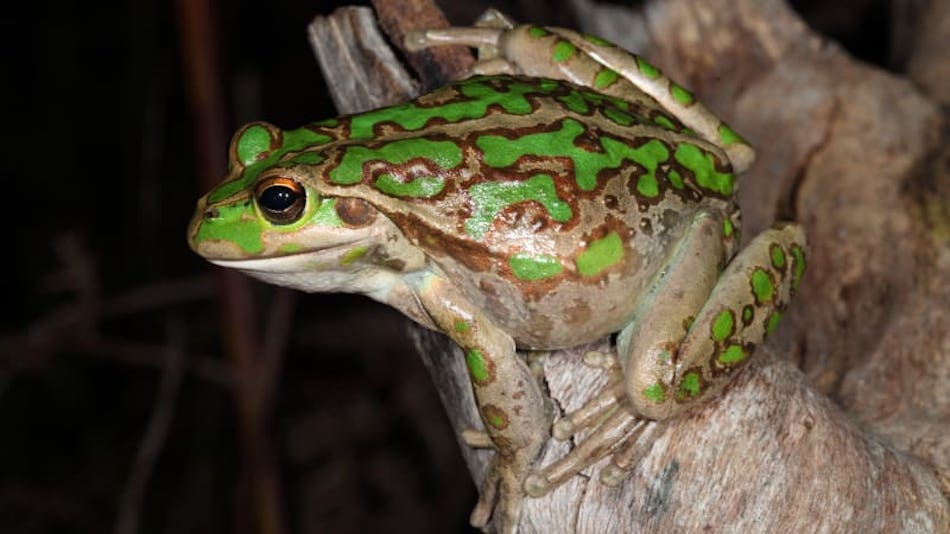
258, 488
156, 433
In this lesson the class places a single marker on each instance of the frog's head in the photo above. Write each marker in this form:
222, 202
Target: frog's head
269, 219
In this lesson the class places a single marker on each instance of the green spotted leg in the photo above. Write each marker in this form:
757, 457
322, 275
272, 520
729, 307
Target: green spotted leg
509, 398
743, 308
691, 332
650, 80
589, 61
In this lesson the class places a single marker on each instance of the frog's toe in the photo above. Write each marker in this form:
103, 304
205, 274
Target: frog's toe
614, 432
630, 452
502, 491
477, 439
594, 411
493, 66
607, 361
486, 498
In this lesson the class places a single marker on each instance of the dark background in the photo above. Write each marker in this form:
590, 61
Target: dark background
99, 287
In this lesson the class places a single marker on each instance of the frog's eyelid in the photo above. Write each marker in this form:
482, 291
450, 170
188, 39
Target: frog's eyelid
253, 143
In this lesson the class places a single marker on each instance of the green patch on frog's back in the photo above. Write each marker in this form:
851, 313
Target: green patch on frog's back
504, 151
534, 267
474, 97
490, 198
600, 255
350, 170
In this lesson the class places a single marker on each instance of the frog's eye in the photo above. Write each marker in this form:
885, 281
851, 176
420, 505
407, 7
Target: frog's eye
280, 199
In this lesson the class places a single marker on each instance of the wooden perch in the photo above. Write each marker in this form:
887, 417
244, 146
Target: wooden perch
847, 150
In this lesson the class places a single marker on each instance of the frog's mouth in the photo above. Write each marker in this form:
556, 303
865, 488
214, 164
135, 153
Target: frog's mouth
316, 271
314, 260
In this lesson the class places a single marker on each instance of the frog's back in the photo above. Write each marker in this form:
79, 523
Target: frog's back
522, 186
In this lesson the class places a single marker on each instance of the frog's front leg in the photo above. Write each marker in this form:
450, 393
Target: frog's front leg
508, 395
691, 331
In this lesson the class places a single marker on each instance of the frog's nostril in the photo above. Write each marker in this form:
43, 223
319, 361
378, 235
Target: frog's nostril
211, 213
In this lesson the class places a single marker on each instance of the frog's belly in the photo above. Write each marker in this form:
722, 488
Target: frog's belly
563, 312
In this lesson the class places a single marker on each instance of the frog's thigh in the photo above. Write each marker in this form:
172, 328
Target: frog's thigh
743, 308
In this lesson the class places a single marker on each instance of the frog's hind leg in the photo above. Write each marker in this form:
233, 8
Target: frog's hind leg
742, 310
667, 92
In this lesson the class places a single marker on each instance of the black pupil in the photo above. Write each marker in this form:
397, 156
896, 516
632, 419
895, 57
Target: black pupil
278, 198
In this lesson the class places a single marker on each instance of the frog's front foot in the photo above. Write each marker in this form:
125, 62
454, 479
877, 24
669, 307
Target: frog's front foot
618, 433
614, 429
503, 488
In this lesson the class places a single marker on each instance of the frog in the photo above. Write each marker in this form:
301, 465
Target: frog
567, 190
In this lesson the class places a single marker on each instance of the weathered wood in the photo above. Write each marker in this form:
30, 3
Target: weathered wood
843, 148
361, 70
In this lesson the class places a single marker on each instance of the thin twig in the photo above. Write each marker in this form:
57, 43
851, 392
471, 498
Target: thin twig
156, 433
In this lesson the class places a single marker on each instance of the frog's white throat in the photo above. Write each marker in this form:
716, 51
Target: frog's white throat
313, 272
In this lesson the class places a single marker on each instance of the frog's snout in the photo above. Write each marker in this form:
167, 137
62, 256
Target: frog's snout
203, 213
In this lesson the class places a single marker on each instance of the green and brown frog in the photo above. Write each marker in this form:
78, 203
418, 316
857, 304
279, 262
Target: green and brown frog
567, 191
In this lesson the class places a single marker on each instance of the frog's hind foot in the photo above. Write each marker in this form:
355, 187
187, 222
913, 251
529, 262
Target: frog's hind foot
616, 431
492, 18
596, 409
503, 490
592, 413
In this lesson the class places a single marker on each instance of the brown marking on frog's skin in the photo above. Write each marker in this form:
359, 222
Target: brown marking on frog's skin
535, 290
527, 217
440, 98
337, 132
646, 226
495, 416
672, 350
589, 140
355, 212
748, 314
488, 288
652, 114
391, 129
396, 265
578, 312
718, 368
474, 255
677, 387
782, 268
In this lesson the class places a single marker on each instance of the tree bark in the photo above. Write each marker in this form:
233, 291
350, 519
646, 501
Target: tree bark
854, 154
